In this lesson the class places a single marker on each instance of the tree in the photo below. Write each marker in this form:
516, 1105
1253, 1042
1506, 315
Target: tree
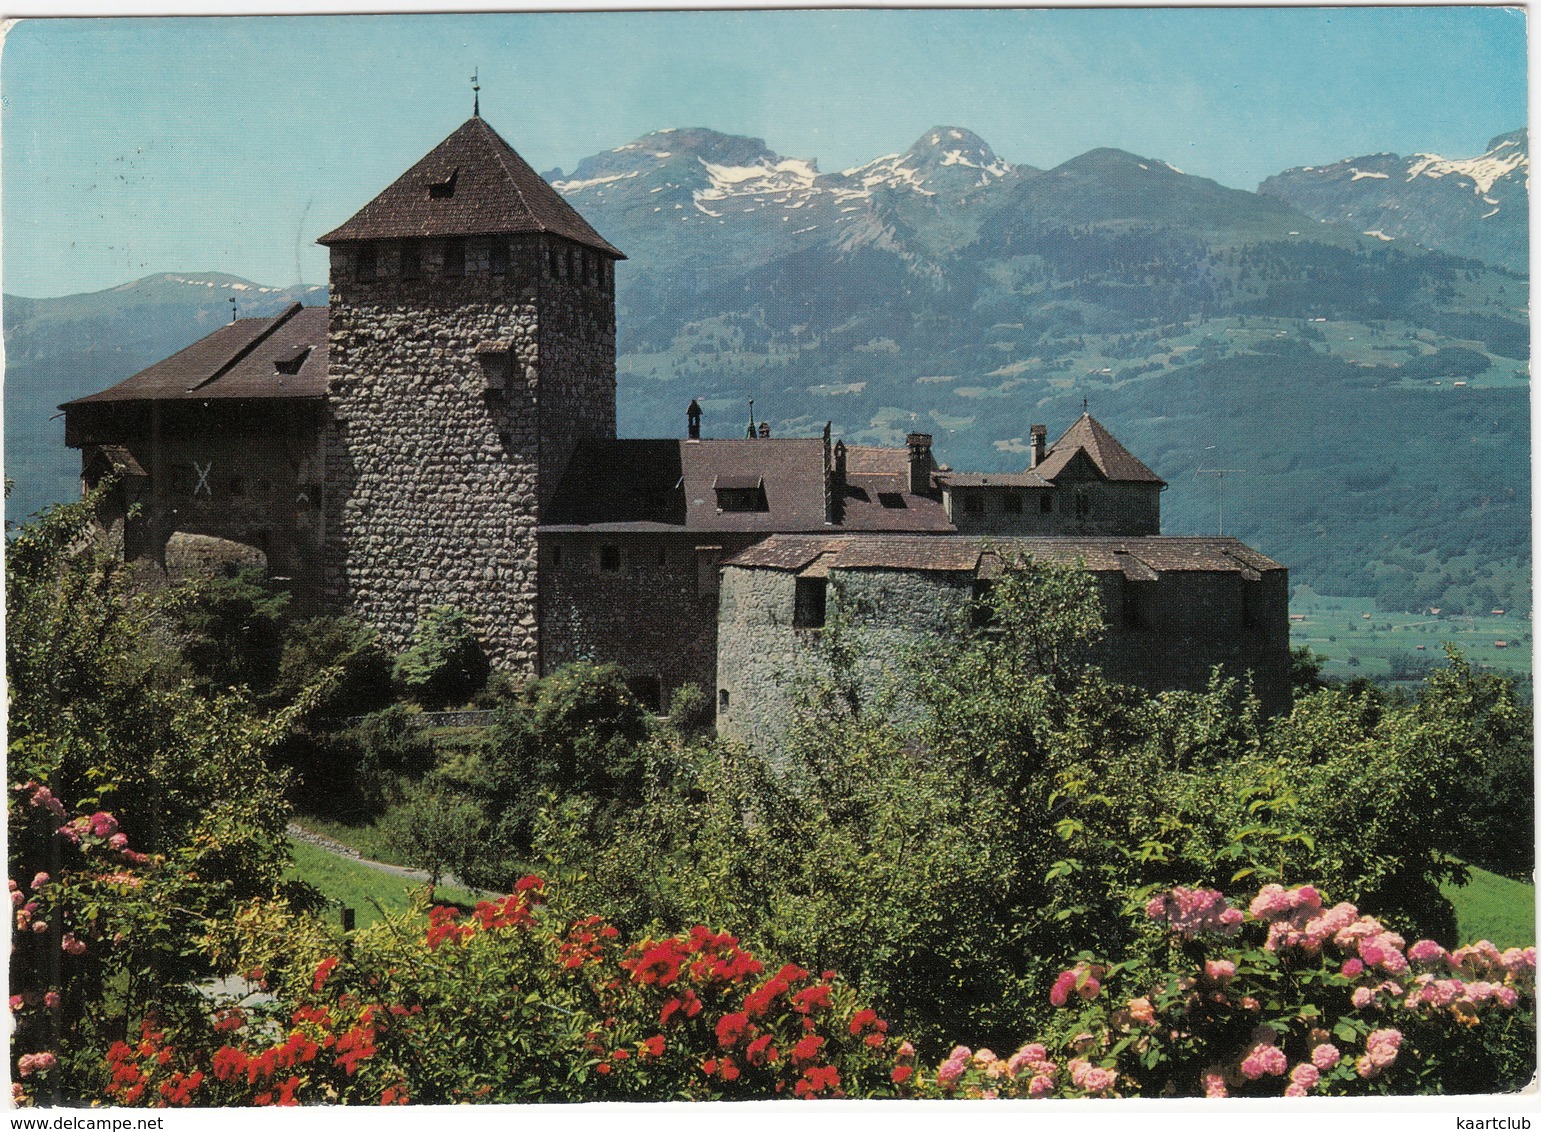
142, 811
439, 833
445, 664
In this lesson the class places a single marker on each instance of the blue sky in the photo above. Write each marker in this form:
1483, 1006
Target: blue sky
133, 146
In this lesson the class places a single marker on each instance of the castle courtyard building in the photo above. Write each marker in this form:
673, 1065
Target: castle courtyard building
444, 433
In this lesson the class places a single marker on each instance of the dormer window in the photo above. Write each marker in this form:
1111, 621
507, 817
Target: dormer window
893, 500
292, 361
741, 493
443, 190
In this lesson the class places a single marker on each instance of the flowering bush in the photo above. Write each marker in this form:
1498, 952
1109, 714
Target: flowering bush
1293, 998
522, 1001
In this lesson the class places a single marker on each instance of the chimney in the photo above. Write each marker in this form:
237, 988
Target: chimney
1040, 435
834, 485
921, 465
765, 430
693, 420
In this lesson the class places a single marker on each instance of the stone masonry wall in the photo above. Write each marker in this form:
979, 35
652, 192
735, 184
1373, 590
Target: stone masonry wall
649, 606
433, 473
1187, 623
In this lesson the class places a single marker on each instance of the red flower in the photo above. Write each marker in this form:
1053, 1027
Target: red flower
654, 1046
811, 999
731, 1028
729, 1070
527, 883
761, 1052
324, 971
603, 1069
620, 1055
807, 1049
901, 1073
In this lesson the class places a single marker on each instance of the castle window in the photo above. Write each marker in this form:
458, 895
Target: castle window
663, 556
1011, 503
497, 257
236, 487
893, 500
1083, 504
610, 559
445, 189
708, 576
556, 557
722, 701
411, 260
982, 608
1252, 605
496, 365
810, 604
179, 479
1139, 598
454, 257
366, 264
973, 502
1046, 503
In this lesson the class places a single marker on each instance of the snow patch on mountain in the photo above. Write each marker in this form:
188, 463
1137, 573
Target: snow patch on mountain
1484, 171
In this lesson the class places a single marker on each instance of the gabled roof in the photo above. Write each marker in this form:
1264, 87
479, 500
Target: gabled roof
470, 184
1112, 460
240, 360
651, 485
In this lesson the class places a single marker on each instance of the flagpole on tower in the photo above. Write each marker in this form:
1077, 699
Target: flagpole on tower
476, 93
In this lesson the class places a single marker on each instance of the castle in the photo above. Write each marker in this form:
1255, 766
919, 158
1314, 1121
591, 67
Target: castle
444, 433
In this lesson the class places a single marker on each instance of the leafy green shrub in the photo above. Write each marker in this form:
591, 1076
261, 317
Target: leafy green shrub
341, 654
445, 665
578, 734
691, 709
229, 625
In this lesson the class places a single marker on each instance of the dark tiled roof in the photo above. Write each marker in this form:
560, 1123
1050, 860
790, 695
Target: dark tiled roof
653, 484
991, 479
240, 360
1142, 558
878, 497
485, 189
1112, 459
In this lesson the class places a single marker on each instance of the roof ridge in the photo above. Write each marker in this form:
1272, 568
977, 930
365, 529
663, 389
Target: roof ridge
245, 351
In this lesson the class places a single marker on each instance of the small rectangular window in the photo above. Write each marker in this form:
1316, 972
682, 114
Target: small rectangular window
982, 607
1138, 599
366, 266
811, 600
1012, 503
974, 503
411, 260
237, 487
497, 257
722, 701
610, 559
556, 556
1046, 503
454, 257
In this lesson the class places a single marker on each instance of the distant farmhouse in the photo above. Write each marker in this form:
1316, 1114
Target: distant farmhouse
444, 433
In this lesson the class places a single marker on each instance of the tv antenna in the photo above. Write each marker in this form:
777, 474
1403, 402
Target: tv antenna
1220, 474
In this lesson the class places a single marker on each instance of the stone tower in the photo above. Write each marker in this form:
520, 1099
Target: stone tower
472, 346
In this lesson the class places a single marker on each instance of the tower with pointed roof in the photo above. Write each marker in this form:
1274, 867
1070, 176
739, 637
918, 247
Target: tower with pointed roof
471, 348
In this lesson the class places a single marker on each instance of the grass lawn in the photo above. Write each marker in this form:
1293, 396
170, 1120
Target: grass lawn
366, 837
1494, 908
347, 883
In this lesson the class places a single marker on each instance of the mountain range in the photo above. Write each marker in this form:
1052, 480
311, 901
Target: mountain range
1363, 386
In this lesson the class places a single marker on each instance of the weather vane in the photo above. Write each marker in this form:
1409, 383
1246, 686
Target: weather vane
476, 93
